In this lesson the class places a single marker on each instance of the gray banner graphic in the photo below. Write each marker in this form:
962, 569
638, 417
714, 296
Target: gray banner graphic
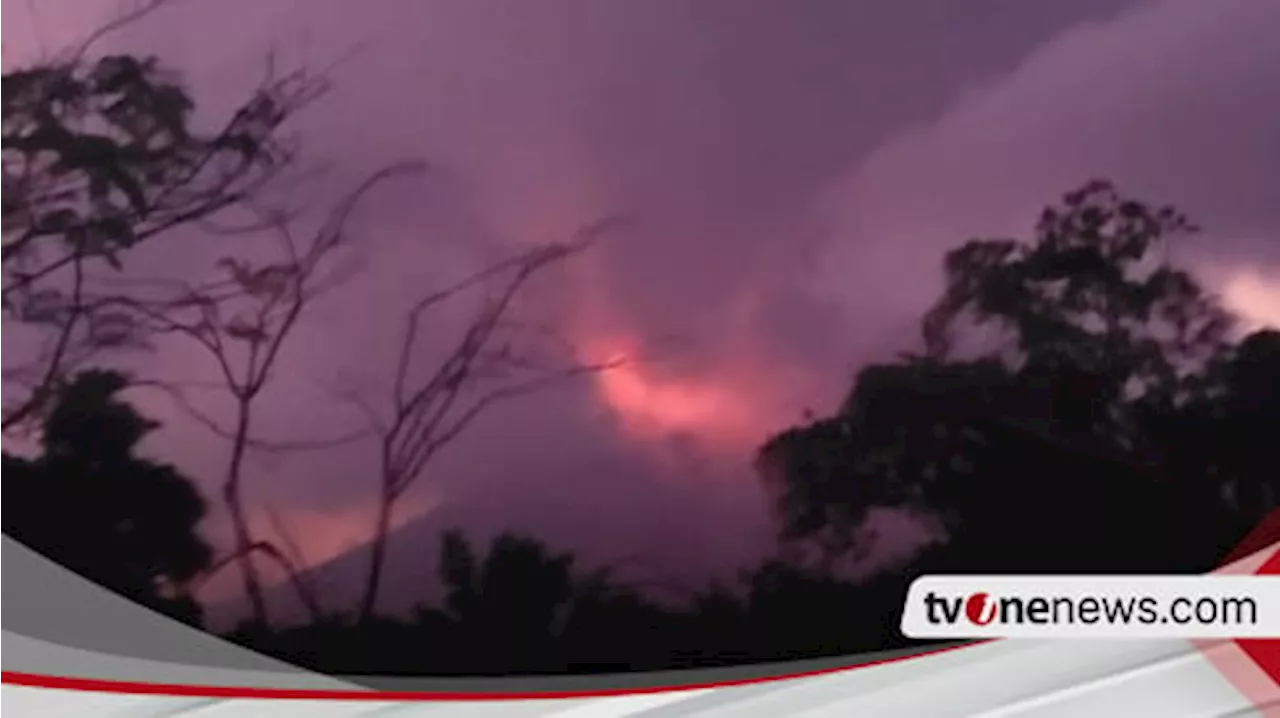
59, 623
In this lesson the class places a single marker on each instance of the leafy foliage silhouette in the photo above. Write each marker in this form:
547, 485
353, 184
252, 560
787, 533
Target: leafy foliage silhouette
524, 609
101, 155
89, 503
1054, 429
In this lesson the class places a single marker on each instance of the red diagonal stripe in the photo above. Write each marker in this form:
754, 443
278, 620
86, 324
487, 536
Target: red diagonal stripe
1266, 652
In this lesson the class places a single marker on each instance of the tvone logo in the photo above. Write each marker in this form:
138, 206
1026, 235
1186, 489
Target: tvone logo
980, 609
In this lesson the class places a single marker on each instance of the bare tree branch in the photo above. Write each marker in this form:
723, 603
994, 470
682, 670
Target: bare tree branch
54, 366
180, 398
300, 585
447, 434
120, 22
85, 182
428, 414
276, 295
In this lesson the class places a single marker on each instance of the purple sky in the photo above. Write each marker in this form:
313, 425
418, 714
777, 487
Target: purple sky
795, 170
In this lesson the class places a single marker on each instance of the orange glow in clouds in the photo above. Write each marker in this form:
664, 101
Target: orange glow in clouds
1254, 296
737, 406
729, 408
714, 410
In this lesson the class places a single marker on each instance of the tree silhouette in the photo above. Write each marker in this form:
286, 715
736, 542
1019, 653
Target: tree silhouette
1251, 423
522, 608
901, 429
496, 359
1224, 442
100, 156
245, 334
1093, 293
1058, 422
508, 601
90, 504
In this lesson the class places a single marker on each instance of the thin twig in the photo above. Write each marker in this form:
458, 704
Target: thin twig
120, 22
